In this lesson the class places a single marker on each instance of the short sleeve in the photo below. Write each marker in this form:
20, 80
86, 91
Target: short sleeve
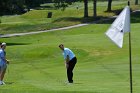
66, 53
2, 54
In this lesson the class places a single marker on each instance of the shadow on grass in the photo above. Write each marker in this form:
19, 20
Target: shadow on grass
116, 12
90, 19
135, 18
9, 83
75, 19
13, 44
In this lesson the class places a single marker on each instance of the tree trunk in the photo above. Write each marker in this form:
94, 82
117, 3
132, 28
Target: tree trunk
136, 2
85, 8
94, 8
109, 5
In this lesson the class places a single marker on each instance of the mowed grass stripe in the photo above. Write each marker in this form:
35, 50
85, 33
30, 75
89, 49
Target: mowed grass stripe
37, 64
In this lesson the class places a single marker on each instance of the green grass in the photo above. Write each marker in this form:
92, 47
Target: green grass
37, 20
37, 65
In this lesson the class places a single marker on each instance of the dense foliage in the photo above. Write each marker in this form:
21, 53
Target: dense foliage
19, 6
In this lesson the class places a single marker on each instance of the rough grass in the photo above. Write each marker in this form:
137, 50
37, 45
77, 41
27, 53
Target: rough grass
37, 20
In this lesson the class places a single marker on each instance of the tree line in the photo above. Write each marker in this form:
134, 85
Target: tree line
21, 6
109, 6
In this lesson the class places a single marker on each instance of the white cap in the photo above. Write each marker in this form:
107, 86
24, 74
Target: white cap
3, 44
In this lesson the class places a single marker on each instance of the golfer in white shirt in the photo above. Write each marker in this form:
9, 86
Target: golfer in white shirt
70, 61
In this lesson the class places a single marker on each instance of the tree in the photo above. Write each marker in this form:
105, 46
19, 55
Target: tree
18, 6
85, 8
94, 8
11, 7
63, 3
2, 6
33, 3
136, 2
109, 5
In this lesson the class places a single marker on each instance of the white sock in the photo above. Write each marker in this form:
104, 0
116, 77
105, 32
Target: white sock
1, 83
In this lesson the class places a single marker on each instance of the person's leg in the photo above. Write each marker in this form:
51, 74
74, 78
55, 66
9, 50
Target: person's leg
3, 73
70, 70
69, 75
0, 75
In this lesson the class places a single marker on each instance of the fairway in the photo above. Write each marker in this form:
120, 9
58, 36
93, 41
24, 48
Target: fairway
37, 64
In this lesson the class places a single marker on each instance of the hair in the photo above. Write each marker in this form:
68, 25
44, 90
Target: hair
61, 45
3, 44
0, 44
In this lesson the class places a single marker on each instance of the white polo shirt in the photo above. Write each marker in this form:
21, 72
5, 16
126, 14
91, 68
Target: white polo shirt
68, 52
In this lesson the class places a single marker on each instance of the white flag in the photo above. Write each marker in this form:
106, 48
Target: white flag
119, 26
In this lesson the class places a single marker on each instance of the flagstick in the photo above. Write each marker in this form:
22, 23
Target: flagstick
131, 83
130, 59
